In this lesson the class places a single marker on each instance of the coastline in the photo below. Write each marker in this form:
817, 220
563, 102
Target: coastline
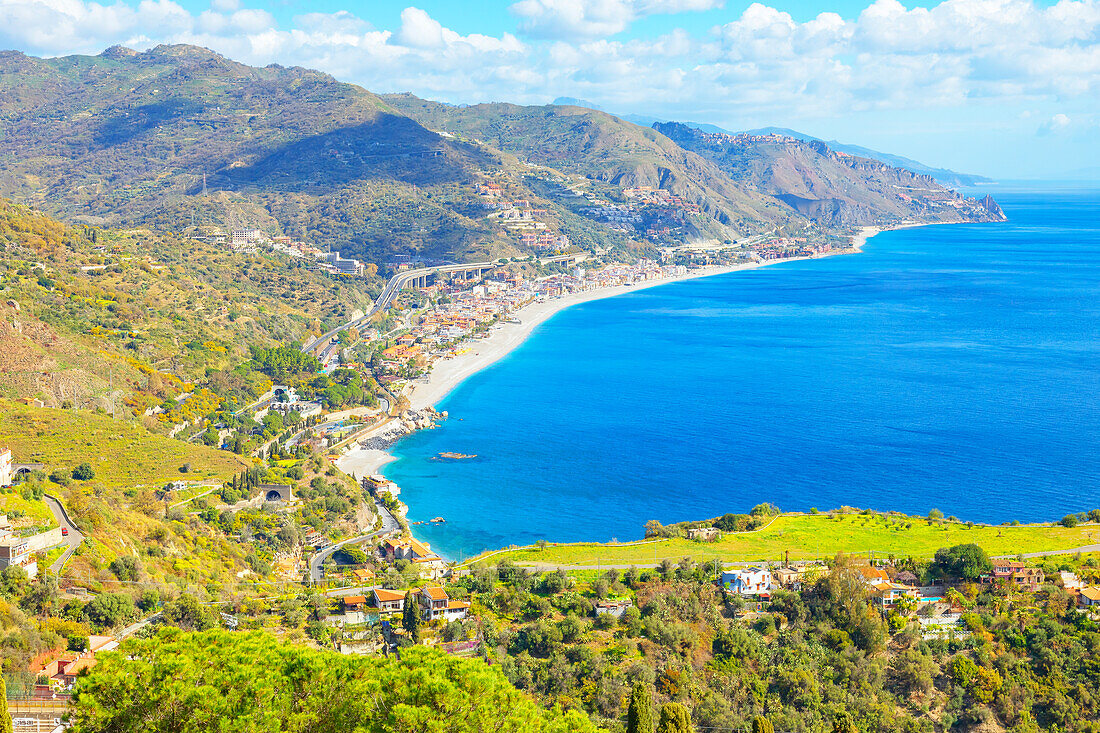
447, 374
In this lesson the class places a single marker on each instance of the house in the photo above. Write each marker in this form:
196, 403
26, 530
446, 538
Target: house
362, 575
748, 581
16, 551
788, 578
704, 534
887, 594
5, 467
613, 608
388, 601
409, 549
436, 604
1090, 597
354, 610
61, 669
432, 566
1017, 575
353, 603
872, 575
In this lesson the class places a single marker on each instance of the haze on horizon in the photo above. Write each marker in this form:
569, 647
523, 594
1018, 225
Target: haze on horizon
1003, 88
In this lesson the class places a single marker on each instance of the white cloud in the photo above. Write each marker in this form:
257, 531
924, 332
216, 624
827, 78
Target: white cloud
761, 63
583, 19
1057, 123
419, 30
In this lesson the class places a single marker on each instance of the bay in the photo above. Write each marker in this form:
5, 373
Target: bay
951, 367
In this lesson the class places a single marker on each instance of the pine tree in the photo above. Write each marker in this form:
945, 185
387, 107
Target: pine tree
410, 619
5, 719
674, 719
760, 724
639, 716
843, 724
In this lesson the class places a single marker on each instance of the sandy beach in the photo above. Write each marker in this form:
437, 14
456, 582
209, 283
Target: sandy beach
446, 374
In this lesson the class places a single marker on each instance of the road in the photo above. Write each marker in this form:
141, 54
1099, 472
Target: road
393, 287
389, 524
72, 541
1050, 553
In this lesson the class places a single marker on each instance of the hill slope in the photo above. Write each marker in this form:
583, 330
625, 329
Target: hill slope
835, 189
127, 137
600, 146
88, 314
944, 176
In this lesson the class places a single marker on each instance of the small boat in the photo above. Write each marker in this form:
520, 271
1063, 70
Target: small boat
438, 520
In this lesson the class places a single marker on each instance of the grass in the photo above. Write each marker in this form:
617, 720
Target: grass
123, 454
807, 536
21, 511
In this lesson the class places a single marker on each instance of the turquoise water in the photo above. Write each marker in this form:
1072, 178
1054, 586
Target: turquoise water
955, 367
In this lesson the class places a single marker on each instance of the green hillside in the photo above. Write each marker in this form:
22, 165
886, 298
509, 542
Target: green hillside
816, 536
124, 138
601, 146
86, 312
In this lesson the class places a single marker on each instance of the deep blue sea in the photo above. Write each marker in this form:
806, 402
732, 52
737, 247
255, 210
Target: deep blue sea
955, 367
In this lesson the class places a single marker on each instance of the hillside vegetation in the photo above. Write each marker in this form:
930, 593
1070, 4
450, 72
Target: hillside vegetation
253, 684
178, 135
123, 507
123, 453
89, 313
833, 188
601, 146
815, 536
125, 138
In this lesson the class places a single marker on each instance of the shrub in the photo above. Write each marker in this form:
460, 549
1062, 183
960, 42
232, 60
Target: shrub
83, 472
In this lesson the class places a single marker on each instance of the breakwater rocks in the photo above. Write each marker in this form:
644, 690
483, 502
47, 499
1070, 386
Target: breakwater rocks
407, 422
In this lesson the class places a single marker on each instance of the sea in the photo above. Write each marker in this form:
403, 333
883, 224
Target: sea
951, 367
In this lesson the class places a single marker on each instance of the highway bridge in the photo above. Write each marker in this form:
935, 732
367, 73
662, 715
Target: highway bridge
418, 278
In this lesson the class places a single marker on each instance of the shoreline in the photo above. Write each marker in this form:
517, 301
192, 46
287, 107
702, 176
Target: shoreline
447, 374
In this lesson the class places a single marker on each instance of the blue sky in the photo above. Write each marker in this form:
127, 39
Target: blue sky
1006, 88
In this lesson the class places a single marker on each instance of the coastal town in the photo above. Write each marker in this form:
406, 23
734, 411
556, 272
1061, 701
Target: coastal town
349, 570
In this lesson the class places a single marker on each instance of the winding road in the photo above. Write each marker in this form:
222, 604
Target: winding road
74, 538
389, 524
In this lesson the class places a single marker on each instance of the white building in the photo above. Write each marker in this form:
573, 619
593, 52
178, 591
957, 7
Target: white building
5, 467
748, 581
436, 604
243, 237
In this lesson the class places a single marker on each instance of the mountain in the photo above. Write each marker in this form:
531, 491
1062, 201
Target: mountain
574, 102
830, 187
602, 147
125, 137
647, 121
180, 135
943, 175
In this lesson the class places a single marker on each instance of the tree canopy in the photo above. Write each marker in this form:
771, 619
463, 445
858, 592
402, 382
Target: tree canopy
963, 561
282, 362
250, 682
